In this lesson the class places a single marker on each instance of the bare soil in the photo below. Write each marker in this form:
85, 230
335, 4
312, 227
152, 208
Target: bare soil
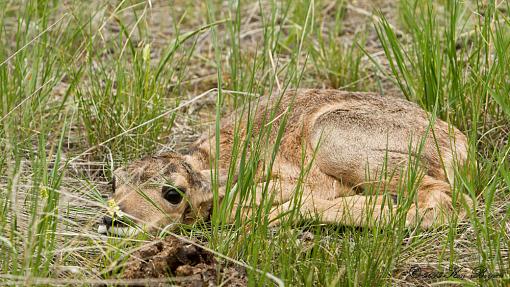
183, 264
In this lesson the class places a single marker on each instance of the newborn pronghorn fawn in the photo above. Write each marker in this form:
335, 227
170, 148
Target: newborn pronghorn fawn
348, 141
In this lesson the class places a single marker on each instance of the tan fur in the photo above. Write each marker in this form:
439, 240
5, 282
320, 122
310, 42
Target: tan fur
350, 139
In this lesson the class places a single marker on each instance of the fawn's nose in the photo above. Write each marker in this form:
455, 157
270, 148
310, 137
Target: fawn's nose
109, 221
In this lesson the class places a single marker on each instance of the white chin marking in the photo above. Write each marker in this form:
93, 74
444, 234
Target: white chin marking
119, 231
102, 229
123, 231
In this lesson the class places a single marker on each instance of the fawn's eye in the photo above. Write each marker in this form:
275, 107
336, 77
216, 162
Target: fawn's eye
172, 194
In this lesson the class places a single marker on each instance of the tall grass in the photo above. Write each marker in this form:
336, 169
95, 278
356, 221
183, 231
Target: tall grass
85, 87
339, 61
457, 68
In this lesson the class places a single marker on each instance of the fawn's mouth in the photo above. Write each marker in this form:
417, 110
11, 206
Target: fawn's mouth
115, 223
124, 231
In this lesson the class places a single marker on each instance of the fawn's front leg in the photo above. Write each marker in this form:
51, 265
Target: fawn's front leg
356, 210
432, 206
273, 193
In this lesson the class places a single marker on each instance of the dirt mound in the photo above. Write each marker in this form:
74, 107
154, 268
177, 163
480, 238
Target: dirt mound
183, 264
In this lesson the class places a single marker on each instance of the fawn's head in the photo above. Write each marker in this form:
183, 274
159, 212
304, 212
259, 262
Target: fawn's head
157, 191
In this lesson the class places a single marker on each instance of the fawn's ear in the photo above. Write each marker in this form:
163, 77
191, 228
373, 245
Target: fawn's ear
222, 176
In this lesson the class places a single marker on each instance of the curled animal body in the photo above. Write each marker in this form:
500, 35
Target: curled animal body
357, 149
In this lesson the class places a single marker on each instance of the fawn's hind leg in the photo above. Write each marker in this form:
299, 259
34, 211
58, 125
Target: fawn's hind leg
434, 204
